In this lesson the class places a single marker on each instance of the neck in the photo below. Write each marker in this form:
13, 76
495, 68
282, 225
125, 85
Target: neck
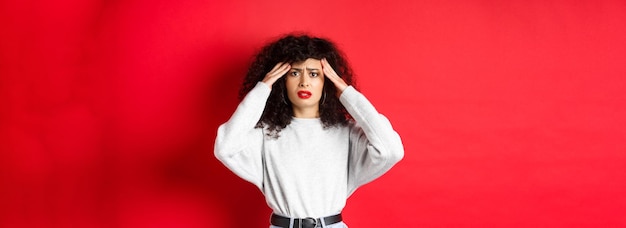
306, 112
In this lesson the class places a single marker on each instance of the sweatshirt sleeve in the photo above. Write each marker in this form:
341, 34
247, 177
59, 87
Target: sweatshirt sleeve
239, 144
374, 145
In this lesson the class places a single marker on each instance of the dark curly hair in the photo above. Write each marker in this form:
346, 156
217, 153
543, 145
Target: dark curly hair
293, 48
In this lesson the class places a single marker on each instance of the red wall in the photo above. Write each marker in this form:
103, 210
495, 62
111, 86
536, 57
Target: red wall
511, 112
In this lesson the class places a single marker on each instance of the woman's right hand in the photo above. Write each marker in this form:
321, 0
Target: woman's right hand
277, 72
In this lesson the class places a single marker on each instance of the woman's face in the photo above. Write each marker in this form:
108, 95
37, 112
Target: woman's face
305, 84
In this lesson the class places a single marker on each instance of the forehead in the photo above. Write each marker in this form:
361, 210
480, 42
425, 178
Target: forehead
308, 63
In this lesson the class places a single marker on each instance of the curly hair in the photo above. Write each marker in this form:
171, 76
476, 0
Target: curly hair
293, 48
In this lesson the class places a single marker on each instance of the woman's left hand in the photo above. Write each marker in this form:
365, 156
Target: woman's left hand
333, 77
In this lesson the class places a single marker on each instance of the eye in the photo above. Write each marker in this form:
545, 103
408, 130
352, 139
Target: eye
314, 74
294, 73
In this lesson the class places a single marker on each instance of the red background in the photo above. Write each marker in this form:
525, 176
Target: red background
511, 112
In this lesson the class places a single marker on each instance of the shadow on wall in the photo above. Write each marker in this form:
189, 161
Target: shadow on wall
233, 202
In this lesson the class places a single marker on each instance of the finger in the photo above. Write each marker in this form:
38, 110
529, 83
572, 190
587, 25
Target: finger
279, 70
282, 70
276, 67
328, 70
333, 76
325, 67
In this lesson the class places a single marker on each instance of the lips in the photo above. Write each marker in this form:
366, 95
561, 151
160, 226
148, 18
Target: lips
303, 94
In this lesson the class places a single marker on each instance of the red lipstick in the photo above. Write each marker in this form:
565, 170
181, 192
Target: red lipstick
303, 94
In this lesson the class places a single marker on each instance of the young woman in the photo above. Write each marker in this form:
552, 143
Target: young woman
303, 135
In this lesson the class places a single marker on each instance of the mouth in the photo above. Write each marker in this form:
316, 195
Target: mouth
303, 94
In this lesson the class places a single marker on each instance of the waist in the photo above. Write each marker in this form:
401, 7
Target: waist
286, 222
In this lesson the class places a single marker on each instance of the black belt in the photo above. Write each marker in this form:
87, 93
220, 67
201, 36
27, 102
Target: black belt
281, 221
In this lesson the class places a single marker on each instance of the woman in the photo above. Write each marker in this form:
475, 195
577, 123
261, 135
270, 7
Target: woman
303, 135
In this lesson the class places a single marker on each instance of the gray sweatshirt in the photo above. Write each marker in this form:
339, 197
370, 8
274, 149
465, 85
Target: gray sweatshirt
308, 171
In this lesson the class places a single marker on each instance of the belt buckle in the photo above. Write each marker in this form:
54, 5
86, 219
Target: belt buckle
312, 223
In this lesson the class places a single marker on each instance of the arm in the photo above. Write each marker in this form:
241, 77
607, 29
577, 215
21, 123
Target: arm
374, 146
239, 144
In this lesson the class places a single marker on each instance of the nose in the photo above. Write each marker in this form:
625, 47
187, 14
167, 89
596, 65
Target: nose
304, 82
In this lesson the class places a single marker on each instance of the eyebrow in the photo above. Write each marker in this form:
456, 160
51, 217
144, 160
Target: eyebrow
300, 69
